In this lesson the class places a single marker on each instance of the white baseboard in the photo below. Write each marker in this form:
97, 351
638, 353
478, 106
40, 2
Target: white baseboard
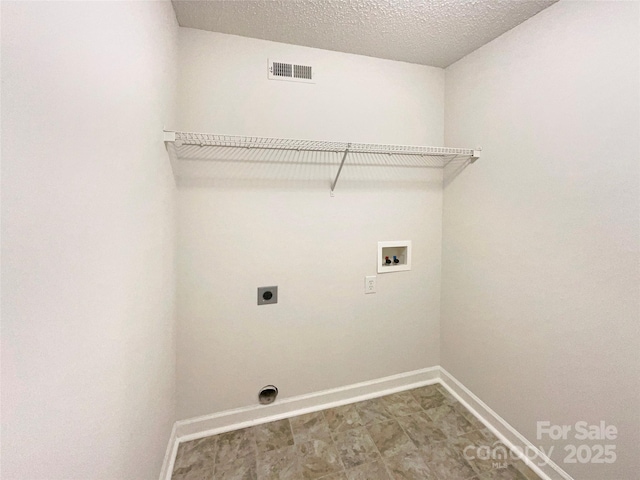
541, 464
290, 407
204, 426
170, 455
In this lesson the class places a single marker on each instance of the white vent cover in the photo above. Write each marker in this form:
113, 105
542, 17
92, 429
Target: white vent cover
291, 72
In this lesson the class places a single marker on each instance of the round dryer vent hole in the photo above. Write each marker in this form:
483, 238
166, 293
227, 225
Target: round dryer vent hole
267, 394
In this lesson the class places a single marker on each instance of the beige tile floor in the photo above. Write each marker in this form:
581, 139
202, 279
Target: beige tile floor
417, 434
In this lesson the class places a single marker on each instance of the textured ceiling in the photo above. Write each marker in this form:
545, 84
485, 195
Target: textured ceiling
428, 32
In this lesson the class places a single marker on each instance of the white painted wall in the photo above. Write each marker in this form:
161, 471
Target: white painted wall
540, 302
88, 342
257, 224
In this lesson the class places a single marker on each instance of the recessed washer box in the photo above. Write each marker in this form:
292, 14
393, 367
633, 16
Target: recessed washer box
394, 256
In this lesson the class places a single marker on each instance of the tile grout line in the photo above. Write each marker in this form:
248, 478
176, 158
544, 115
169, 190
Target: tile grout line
445, 441
425, 412
295, 444
382, 459
333, 442
395, 417
366, 428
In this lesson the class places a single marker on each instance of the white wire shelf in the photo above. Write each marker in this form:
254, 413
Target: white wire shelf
184, 144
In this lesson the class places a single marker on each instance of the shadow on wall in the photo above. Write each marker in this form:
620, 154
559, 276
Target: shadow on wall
229, 167
453, 169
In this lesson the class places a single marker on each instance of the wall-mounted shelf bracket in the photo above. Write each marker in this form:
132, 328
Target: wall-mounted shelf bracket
344, 157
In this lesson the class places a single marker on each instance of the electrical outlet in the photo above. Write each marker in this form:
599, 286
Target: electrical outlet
267, 295
370, 284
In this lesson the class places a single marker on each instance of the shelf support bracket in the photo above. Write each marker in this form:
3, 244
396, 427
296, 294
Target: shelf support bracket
169, 136
344, 157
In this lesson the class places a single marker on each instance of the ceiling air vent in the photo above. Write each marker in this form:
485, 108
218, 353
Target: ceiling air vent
302, 71
291, 72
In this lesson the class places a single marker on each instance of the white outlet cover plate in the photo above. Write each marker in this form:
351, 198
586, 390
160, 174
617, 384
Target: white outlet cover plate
370, 284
